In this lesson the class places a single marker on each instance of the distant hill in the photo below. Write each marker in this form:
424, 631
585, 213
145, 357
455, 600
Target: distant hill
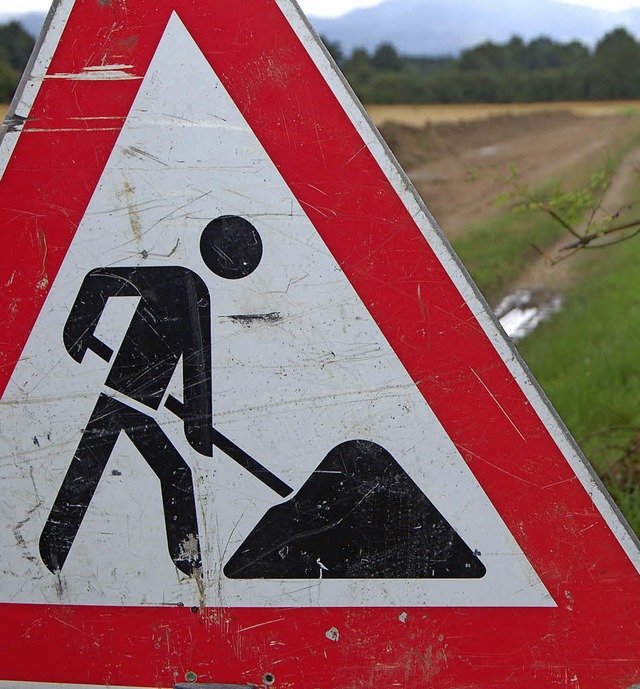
444, 27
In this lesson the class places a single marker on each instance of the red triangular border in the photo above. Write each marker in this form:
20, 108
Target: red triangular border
590, 641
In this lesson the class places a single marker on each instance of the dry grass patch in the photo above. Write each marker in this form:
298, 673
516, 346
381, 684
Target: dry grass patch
421, 115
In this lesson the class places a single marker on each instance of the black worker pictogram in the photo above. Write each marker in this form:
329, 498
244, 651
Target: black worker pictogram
359, 515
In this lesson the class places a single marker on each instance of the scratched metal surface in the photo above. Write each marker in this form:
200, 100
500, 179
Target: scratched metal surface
361, 394
287, 388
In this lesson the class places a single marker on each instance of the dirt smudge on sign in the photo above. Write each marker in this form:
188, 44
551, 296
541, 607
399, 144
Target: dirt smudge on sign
134, 216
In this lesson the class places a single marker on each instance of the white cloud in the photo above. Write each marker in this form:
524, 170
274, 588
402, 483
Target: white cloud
606, 4
333, 8
22, 6
319, 8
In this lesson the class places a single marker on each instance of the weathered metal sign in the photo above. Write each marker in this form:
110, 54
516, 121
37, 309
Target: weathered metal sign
256, 424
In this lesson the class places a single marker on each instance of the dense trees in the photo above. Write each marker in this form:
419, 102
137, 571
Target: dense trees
15, 48
541, 70
615, 68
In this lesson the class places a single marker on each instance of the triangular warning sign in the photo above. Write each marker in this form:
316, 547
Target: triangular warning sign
231, 283
255, 419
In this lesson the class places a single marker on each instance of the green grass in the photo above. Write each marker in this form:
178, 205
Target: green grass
495, 251
628, 500
586, 359
628, 109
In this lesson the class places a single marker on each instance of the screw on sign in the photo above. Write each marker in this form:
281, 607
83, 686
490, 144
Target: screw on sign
258, 428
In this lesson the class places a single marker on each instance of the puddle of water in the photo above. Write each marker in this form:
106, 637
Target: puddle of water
522, 312
489, 150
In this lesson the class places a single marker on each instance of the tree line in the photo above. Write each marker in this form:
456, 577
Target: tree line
516, 71
15, 48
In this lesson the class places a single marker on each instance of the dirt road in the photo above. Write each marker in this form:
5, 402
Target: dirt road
459, 169
542, 272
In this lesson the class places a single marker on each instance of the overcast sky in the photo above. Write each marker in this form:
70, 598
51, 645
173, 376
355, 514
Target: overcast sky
333, 8
324, 8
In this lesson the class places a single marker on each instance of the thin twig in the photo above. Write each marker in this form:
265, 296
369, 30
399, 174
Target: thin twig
588, 238
547, 209
614, 242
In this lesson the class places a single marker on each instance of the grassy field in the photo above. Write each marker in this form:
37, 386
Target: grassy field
586, 359
494, 251
420, 115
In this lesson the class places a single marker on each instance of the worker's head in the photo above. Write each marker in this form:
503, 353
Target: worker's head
231, 247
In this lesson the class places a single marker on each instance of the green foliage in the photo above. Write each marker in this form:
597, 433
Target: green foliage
15, 48
335, 50
430, 65
578, 211
570, 206
386, 58
8, 82
574, 205
486, 56
15, 45
496, 250
586, 361
628, 500
359, 71
615, 67
584, 357
541, 70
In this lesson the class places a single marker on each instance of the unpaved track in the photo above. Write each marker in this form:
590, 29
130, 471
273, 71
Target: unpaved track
460, 169
542, 272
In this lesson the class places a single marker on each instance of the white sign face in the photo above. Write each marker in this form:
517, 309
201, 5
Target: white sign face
193, 239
